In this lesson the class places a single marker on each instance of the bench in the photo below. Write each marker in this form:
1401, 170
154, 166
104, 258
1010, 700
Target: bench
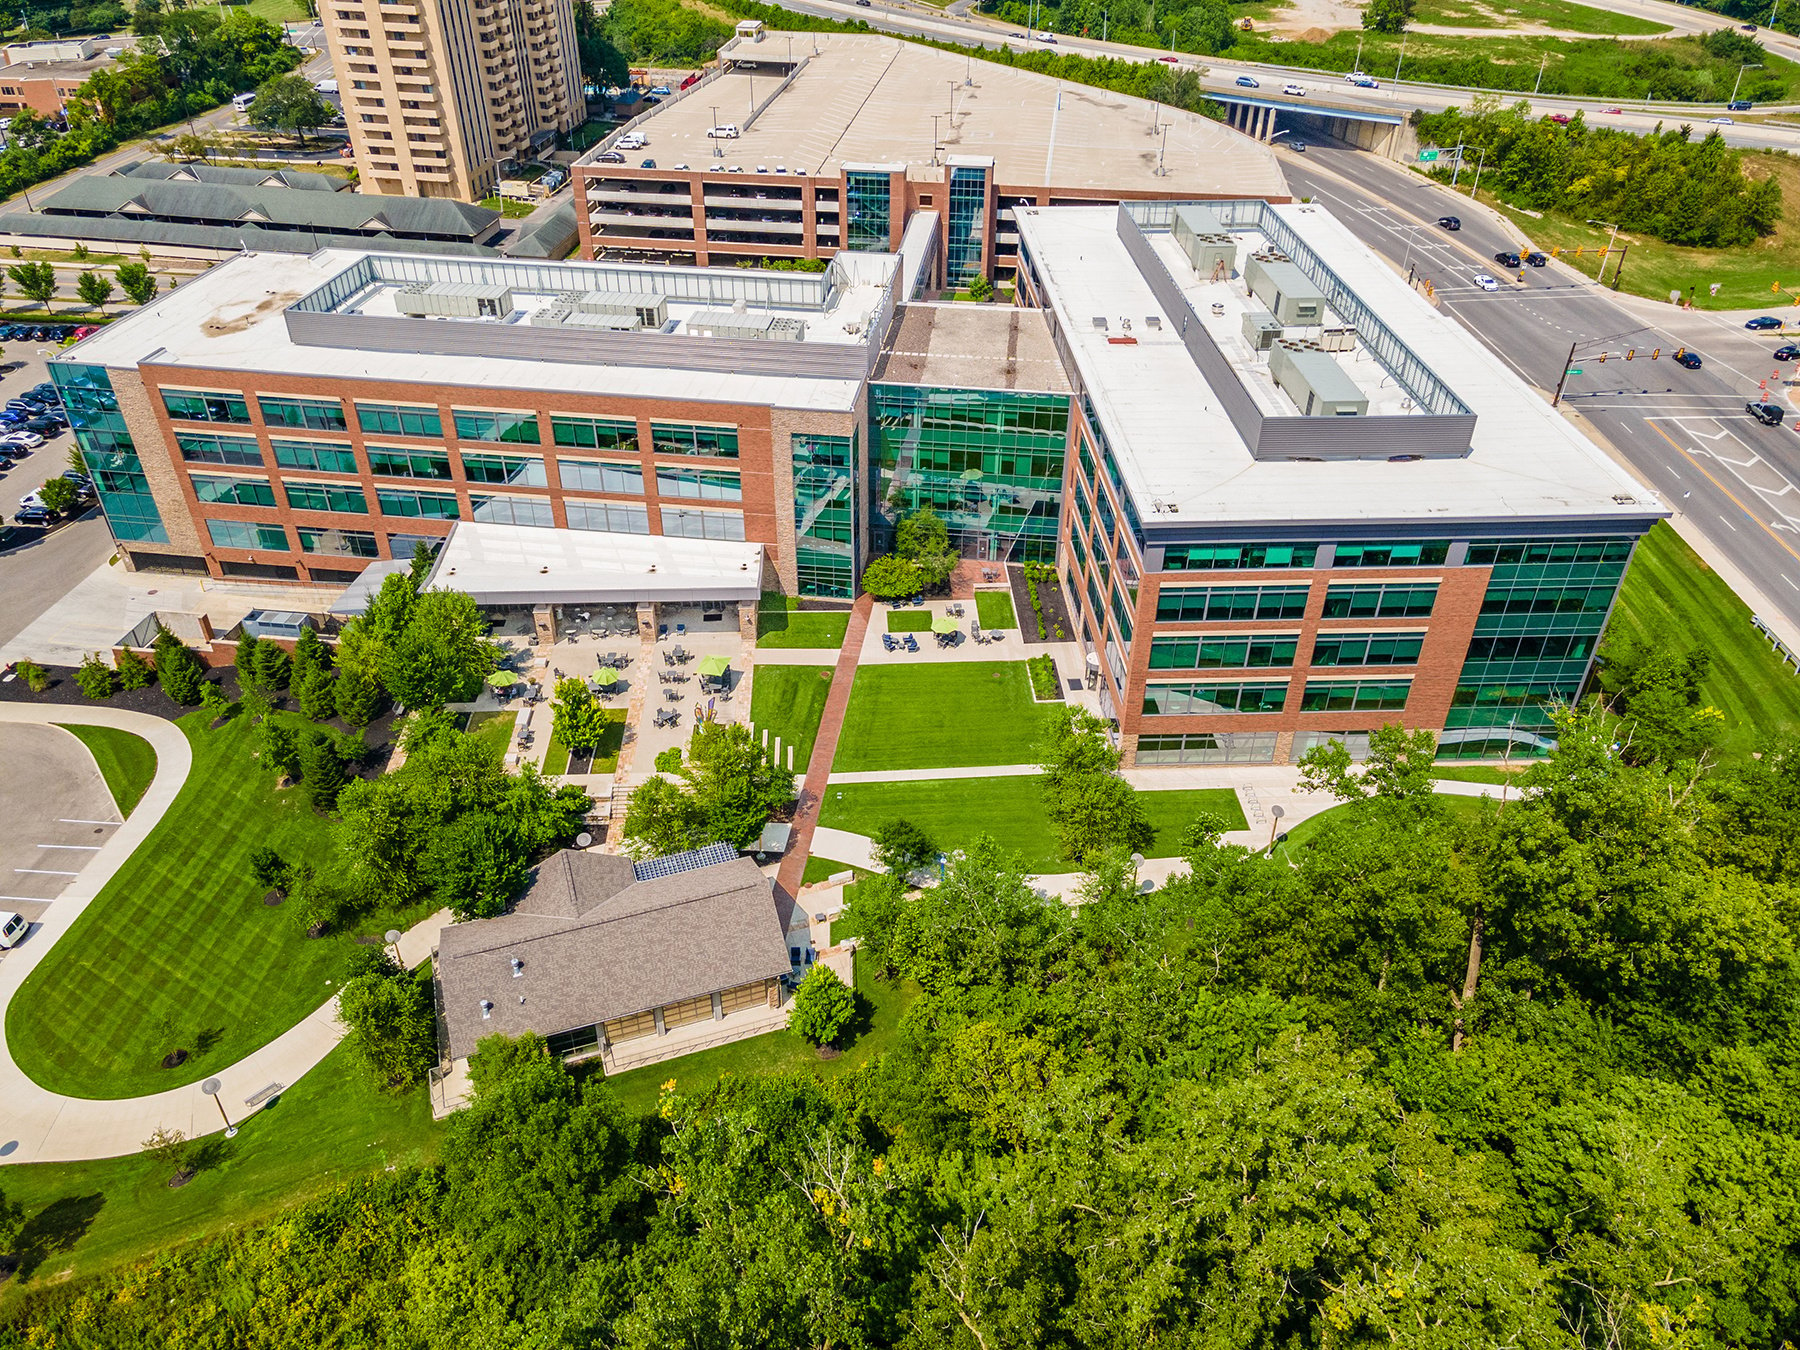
262, 1095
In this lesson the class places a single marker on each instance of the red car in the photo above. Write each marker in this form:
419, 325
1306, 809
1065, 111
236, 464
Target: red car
1561, 119
1169, 60
691, 80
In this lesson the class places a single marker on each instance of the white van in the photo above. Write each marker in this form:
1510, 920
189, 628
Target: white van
727, 132
631, 140
242, 102
12, 928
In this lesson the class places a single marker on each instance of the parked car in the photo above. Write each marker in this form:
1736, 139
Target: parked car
1247, 82
690, 81
609, 157
1683, 357
1536, 259
1762, 323
32, 515
648, 164
726, 131
32, 499
28, 440
1449, 222
1766, 413
1170, 60
662, 91
1487, 283
1508, 260
1294, 90
45, 426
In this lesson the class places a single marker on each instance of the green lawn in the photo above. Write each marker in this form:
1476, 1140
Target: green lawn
823, 869
1478, 773
127, 762
788, 701
995, 610
493, 729
178, 949
1306, 829
606, 754
510, 207
780, 623
329, 1127
1563, 14
1670, 594
939, 716
279, 11
954, 811
909, 621
778, 1052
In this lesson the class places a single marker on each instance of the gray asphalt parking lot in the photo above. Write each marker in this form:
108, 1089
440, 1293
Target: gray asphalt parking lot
58, 813
49, 459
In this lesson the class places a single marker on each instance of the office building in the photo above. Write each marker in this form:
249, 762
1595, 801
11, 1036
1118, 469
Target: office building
832, 141
1302, 503
438, 95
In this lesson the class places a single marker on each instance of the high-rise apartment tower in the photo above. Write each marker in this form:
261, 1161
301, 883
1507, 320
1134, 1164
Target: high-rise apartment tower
438, 94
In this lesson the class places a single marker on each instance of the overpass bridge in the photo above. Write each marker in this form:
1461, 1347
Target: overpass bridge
1265, 117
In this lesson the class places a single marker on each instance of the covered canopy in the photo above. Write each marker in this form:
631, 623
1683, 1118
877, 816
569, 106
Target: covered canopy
500, 679
606, 675
943, 623
714, 666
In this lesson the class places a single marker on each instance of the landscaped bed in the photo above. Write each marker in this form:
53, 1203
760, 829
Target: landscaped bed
603, 758
954, 811
955, 714
1044, 684
788, 701
179, 951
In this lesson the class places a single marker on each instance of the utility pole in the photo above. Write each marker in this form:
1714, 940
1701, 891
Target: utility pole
1540, 79
1474, 191
1563, 379
1397, 63
1456, 172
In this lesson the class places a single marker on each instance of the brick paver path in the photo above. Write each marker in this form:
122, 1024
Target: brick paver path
818, 768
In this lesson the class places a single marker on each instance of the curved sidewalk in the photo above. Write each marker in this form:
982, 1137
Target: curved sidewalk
37, 1125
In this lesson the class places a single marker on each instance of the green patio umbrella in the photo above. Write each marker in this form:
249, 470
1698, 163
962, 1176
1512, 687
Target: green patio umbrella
714, 666
606, 675
943, 623
500, 679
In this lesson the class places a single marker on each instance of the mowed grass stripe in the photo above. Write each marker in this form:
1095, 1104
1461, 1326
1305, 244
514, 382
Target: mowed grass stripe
789, 701
179, 948
935, 716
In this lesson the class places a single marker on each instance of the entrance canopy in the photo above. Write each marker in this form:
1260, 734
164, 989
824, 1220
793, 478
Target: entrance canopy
526, 565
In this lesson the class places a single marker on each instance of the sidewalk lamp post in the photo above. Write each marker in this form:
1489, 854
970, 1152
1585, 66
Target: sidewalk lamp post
1275, 814
211, 1088
392, 937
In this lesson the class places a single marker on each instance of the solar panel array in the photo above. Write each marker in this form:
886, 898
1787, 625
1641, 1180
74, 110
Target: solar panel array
693, 859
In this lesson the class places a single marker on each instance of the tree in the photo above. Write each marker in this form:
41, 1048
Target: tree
902, 848
663, 818
736, 784
602, 64
290, 103
420, 567
134, 671
138, 282
212, 698
1092, 807
269, 868
388, 1012
35, 280
668, 761
358, 699
12, 1222
281, 751
1111, 875
95, 678
442, 654
94, 289
892, 578
178, 668
1388, 16
1399, 766
1654, 686
924, 541
822, 1006
245, 663
174, 1150
577, 718
59, 496
189, 146
316, 693
321, 771
310, 652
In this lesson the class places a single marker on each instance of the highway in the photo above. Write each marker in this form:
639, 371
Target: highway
1219, 74
1684, 432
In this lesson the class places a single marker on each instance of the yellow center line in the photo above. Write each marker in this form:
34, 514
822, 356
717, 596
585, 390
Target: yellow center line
1727, 491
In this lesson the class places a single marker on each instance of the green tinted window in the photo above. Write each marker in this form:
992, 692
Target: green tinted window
681, 438
326, 497
314, 456
395, 419
236, 491
394, 462
315, 414
506, 428
198, 406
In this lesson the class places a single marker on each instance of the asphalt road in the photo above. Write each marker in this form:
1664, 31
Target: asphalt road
1684, 432
58, 811
1219, 74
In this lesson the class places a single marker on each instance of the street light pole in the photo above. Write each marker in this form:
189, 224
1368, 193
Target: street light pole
1540, 79
1401, 58
211, 1088
1563, 379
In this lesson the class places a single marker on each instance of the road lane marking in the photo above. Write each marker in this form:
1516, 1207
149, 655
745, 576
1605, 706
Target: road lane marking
1722, 488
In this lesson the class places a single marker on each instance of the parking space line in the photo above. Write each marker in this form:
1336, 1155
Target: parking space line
84, 848
61, 821
45, 872
30, 899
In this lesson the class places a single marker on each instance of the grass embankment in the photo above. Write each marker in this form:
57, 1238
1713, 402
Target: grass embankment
955, 811
881, 1005
178, 950
1671, 595
127, 762
332, 1125
781, 623
1653, 268
959, 714
1563, 15
788, 701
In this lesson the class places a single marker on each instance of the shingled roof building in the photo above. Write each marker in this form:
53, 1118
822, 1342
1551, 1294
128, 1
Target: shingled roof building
636, 962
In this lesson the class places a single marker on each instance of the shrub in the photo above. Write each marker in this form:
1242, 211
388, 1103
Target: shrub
822, 1007
891, 577
179, 669
134, 671
36, 678
212, 698
96, 678
669, 761
902, 848
269, 868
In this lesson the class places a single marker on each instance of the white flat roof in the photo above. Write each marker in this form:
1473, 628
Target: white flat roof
232, 317
525, 564
1175, 443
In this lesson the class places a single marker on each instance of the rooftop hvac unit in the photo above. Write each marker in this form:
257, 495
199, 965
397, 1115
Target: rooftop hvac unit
1316, 383
454, 300
1337, 339
647, 309
725, 323
1284, 289
1261, 329
1210, 250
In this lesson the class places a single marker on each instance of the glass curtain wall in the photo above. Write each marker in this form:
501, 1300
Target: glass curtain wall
870, 211
825, 515
1541, 619
990, 462
967, 231
112, 459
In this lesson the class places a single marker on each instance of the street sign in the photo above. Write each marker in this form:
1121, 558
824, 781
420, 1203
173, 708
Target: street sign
1427, 156
1575, 371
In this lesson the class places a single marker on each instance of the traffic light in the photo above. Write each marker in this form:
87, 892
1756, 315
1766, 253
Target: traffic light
1630, 352
1680, 352
1556, 252
1655, 352
1602, 358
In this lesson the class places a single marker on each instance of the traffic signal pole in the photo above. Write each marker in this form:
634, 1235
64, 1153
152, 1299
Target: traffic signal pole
1564, 377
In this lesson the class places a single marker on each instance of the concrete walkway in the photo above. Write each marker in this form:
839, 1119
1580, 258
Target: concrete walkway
37, 1125
934, 775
